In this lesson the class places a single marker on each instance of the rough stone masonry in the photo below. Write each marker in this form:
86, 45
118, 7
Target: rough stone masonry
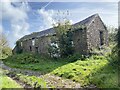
94, 35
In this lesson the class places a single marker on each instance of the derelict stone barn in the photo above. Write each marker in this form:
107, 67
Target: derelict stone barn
94, 36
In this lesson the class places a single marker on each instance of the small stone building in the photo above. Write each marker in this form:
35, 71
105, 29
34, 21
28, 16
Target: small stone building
95, 35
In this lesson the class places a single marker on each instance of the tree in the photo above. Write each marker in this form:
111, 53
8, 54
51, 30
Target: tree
53, 48
118, 45
112, 34
62, 43
118, 41
5, 50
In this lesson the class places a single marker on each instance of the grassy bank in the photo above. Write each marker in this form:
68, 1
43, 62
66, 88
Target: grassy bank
95, 70
90, 72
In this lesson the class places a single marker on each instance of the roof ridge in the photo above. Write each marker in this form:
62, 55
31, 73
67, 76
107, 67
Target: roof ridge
94, 15
87, 21
72, 24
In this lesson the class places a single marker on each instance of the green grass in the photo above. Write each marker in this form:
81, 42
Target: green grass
33, 81
91, 71
3, 56
95, 70
34, 62
7, 82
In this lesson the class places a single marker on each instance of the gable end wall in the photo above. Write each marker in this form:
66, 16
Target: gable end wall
93, 34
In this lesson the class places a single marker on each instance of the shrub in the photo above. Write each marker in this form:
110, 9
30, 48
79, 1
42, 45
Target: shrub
75, 57
98, 57
103, 50
24, 58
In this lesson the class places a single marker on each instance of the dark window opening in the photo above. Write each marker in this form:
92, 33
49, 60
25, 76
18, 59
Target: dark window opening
54, 34
78, 39
101, 38
36, 49
30, 48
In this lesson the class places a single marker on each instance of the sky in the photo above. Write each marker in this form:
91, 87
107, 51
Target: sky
22, 18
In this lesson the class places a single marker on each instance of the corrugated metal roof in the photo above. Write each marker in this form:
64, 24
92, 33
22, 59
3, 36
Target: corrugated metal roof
51, 31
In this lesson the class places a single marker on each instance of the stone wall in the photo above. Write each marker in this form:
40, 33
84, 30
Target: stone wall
86, 40
40, 46
93, 34
26, 45
79, 41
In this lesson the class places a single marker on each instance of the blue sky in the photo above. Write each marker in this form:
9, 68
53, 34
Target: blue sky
19, 19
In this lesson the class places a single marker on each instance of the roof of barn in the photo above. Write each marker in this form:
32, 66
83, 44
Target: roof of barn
86, 22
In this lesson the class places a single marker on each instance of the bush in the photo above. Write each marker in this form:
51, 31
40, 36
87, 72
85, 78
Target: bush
103, 50
24, 58
75, 57
98, 57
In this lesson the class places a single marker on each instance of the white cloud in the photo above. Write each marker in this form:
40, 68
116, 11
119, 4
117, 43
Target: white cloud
12, 13
47, 17
17, 15
51, 17
108, 15
20, 29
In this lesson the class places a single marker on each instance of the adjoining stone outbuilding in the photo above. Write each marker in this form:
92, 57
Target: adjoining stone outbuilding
95, 35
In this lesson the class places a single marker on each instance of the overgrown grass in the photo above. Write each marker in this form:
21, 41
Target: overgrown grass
34, 62
3, 56
33, 81
7, 82
95, 70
